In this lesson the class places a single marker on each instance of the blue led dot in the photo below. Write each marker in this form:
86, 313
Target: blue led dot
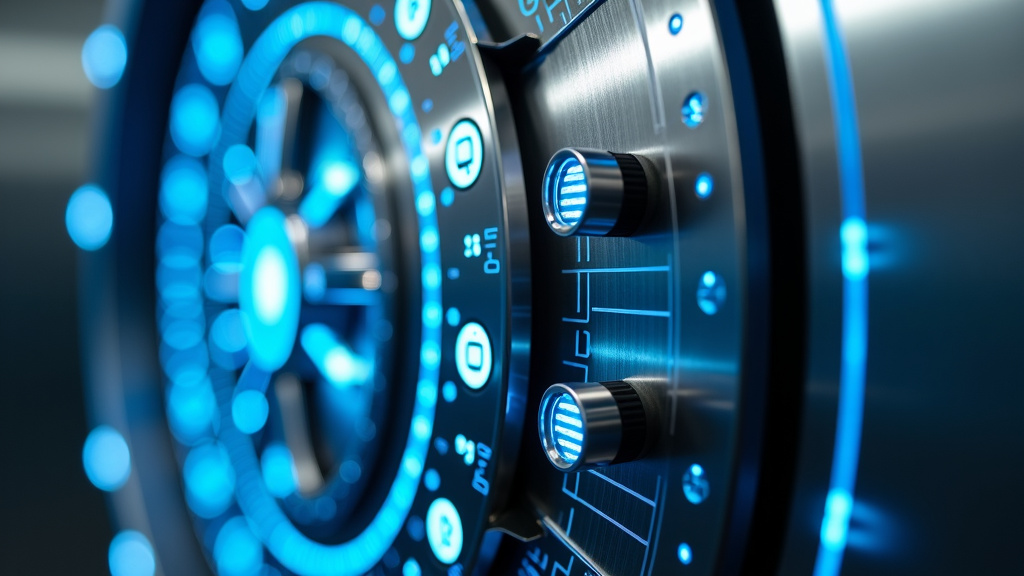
249, 411
710, 293
453, 273
441, 445
236, 550
226, 245
453, 317
565, 428
415, 527
447, 197
314, 282
350, 471
568, 193
450, 391
407, 53
411, 568
183, 190
704, 185
377, 14
227, 333
131, 554
694, 107
254, 5
695, 484
684, 553
217, 42
104, 56
675, 23
106, 458
278, 468
209, 480
432, 480
854, 238
89, 217
195, 120
427, 105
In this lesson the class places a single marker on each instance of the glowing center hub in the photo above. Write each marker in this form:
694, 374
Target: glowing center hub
269, 294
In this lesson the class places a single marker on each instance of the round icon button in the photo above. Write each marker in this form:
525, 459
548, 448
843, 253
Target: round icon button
464, 154
473, 355
444, 530
411, 17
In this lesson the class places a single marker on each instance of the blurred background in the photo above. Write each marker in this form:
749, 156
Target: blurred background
51, 519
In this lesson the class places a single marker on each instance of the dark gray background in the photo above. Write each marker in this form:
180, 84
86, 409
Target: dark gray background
52, 521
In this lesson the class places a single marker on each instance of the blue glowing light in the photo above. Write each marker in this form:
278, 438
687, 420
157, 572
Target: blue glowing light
227, 332
566, 428
226, 245
89, 217
411, 17
249, 411
695, 484
427, 105
183, 190
464, 154
296, 551
334, 182
694, 108
711, 293
853, 237
675, 23
337, 363
407, 53
704, 185
473, 355
106, 458
278, 469
570, 194
191, 407
131, 554
685, 554
209, 480
236, 550
377, 14
432, 480
450, 391
453, 317
104, 56
195, 120
240, 165
444, 530
217, 43
254, 5
314, 282
411, 568
269, 292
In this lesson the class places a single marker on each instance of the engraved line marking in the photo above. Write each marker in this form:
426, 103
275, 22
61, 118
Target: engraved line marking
658, 313
625, 269
608, 518
624, 488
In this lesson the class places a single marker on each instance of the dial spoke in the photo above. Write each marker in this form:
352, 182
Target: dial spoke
337, 363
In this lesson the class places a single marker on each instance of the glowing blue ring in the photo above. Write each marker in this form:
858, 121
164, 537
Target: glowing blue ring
846, 452
293, 549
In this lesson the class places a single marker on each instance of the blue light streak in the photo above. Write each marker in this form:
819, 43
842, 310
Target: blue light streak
131, 554
104, 56
332, 183
337, 363
217, 42
853, 238
89, 217
106, 458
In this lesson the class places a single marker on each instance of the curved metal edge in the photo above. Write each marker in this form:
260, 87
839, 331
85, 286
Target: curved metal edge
117, 322
518, 287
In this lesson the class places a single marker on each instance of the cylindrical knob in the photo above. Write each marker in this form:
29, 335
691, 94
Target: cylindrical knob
594, 193
587, 424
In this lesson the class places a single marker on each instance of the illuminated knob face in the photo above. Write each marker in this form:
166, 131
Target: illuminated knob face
594, 193
588, 424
